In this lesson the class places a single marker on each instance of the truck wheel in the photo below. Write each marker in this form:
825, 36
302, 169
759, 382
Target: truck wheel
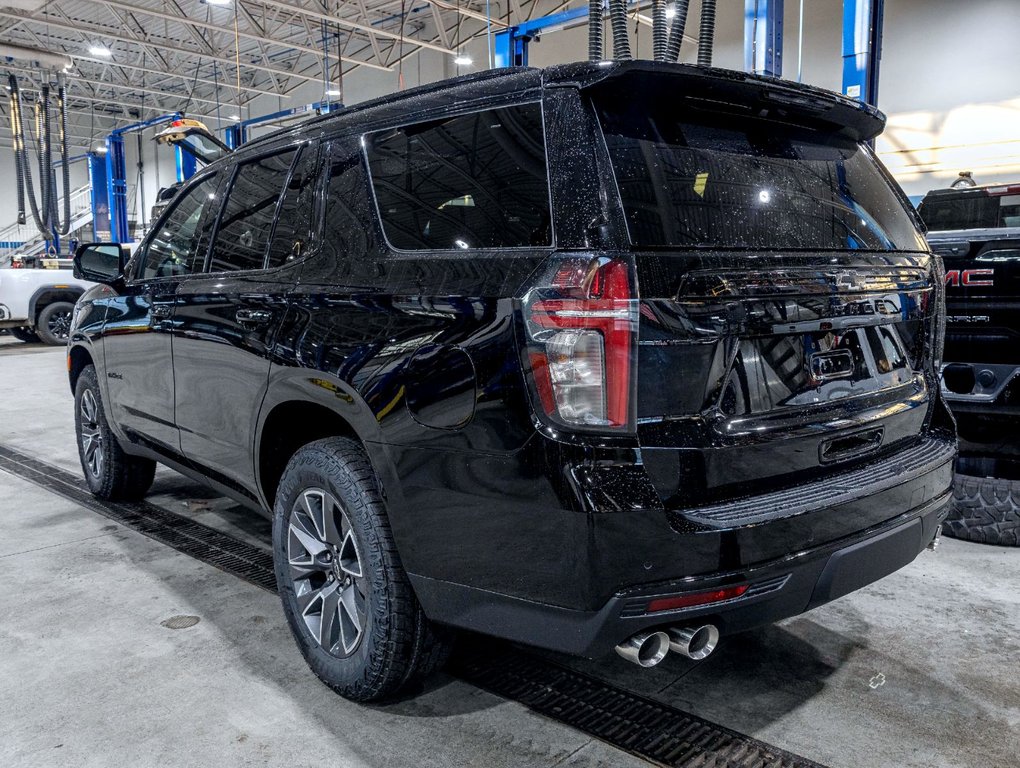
24, 334
110, 473
345, 594
54, 322
985, 509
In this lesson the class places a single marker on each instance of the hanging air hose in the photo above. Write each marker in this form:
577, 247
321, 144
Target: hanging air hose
594, 30
618, 20
660, 35
44, 212
706, 34
676, 34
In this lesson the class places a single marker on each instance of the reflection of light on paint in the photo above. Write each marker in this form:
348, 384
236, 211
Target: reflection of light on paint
764, 196
461, 244
925, 150
700, 182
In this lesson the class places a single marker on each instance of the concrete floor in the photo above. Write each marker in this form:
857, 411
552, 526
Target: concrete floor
920, 669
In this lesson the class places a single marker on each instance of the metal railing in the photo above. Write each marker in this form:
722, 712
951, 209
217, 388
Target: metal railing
26, 240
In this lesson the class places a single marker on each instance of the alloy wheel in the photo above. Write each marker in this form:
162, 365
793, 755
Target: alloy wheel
59, 324
325, 567
91, 434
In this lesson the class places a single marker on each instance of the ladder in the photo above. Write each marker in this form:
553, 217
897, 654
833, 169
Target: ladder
25, 240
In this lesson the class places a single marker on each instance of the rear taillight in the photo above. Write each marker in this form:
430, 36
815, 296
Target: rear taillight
582, 334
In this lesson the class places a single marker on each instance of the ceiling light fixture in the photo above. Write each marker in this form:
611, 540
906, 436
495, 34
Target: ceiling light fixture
235, 118
462, 60
101, 149
218, 2
100, 50
333, 92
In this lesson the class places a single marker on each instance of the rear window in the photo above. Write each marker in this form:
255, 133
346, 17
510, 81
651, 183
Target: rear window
694, 179
970, 210
474, 181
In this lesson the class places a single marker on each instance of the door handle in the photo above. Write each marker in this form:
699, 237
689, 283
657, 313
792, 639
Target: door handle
253, 316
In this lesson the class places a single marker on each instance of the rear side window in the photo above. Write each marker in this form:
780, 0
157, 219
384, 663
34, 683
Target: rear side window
178, 245
720, 181
474, 181
971, 210
292, 229
247, 218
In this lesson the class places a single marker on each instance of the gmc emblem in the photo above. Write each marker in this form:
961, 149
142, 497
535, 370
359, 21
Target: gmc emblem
970, 278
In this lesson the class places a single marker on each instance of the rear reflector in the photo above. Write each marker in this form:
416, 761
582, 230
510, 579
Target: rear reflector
695, 598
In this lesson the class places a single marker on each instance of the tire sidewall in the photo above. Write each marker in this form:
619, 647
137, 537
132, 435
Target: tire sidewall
88, 380
315, 467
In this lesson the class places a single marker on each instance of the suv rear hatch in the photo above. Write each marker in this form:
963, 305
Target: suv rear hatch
787, 298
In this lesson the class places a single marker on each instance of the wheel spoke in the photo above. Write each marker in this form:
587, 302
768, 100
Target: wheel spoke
350, 560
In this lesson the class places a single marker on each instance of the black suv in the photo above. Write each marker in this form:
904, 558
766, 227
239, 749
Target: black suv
977, 232
617, 355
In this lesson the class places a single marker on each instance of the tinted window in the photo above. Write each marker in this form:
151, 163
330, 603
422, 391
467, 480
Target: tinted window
178, 245
971, 210
476, 181
247, 218
293, 222
704, 180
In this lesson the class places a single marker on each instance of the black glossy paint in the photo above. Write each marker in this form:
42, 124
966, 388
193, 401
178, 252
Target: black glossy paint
420, 357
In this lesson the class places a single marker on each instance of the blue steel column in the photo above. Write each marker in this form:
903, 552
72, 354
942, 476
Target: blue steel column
763, 37
116, 187
185, 164
99, 198
862, 48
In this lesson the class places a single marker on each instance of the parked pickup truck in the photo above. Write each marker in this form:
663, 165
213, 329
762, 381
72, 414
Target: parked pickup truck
36, 303
977, 232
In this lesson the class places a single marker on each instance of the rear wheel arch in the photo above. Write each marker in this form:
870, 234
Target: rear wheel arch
289, 426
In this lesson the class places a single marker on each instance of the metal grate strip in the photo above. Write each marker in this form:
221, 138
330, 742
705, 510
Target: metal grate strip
643, 727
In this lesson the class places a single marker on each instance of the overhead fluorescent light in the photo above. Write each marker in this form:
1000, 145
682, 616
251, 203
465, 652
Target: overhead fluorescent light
462, 61
333, 92
218, 2
235, 118
100, 50
101, 149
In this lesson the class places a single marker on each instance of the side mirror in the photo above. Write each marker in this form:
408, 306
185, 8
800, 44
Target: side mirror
100, 262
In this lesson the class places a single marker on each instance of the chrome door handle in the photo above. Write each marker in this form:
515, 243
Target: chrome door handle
253, 316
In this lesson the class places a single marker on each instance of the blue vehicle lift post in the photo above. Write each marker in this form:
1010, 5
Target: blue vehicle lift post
763, 37
511, 44
862, 48
116, 175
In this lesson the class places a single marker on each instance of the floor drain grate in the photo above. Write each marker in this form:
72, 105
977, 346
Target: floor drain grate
644, 727
179, 622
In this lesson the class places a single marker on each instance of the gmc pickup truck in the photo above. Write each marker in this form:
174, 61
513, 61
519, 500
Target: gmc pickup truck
36, 303
977, 232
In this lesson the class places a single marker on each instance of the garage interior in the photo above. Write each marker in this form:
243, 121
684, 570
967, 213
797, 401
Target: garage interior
150, 633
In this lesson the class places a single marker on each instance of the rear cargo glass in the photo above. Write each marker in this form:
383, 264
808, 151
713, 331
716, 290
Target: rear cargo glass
702, 180
970, 210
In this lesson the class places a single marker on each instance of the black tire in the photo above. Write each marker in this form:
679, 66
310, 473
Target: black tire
26, 335
986, 510
54, 323
110, 473
378, 641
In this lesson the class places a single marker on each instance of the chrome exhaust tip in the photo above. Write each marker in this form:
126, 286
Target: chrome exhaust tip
646, 649
694, 642
936, 539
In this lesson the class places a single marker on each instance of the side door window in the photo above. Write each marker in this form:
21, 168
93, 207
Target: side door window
246, 224
473, 181
293, 229
179, 242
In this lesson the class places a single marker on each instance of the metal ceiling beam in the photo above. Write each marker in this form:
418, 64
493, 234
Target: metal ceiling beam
351, 24
108, 34
186, 78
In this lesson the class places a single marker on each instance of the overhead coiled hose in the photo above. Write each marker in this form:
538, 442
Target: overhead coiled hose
63, 226
26, 171
618, 19
44, 137
706, 34
676, 33
660, 33
13, 111
594, 30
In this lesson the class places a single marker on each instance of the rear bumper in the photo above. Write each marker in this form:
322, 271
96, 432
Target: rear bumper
779, 587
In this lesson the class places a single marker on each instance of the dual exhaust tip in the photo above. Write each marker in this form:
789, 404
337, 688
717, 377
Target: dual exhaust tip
648, 648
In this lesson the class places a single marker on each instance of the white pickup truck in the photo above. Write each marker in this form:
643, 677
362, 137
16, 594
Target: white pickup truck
36, 303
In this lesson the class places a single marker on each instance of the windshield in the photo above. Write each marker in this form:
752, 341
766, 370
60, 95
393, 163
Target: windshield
981, 209
698, 179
